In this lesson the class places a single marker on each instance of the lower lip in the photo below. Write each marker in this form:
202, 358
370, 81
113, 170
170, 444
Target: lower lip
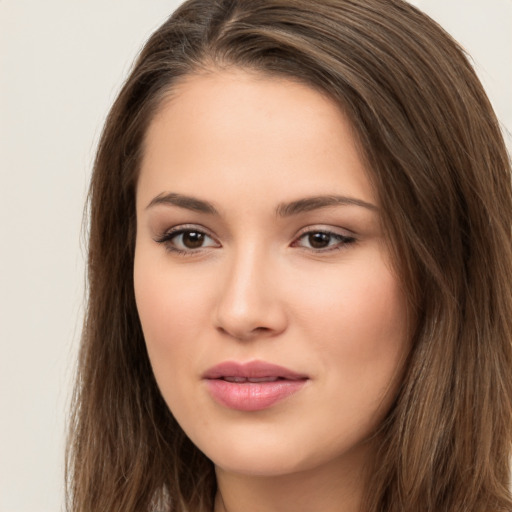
252, 396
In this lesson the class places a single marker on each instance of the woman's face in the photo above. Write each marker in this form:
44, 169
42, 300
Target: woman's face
274, 323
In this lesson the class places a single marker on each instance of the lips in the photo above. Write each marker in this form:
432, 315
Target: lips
252, 386
239, 380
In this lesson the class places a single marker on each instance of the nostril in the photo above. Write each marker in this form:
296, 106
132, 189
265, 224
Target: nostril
261, 329
244, 334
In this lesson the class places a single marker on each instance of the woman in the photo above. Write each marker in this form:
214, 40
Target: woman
300, 271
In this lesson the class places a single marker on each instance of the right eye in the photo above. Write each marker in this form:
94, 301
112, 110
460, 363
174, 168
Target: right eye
186, 240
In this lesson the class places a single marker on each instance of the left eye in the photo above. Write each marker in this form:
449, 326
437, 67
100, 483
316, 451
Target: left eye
322, 240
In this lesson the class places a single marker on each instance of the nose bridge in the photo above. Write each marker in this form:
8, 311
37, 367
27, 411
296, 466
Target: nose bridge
248, 302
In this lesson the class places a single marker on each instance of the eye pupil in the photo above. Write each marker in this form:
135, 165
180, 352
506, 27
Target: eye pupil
193, 239
319, 240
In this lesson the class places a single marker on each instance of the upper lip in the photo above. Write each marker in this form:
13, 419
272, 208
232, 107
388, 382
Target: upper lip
252, 369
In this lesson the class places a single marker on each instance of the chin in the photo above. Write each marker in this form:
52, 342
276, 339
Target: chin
279, 456
261, 464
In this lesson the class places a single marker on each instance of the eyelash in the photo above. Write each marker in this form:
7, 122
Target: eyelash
167, 239
342, 240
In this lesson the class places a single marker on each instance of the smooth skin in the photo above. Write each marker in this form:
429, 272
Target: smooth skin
235, 261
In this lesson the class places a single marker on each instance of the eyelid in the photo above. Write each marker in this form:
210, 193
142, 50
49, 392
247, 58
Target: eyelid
184, 227
345, 238
169, 234
325, 228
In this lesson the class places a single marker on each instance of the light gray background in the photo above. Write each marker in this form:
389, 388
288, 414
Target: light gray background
61, 64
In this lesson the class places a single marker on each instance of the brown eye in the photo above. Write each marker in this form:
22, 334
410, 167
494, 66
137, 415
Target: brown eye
187, 241
193, 239
319, 240
323, 241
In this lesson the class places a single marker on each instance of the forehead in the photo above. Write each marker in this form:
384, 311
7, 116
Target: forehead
241, 128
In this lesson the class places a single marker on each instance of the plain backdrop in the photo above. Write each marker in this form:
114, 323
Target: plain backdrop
61, 64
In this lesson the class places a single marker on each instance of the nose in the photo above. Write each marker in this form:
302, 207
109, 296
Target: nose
249, 303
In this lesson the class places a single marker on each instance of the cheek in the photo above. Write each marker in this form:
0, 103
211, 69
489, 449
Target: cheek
376, 314
169, 307
164, 309
169, 297
362, 300
360, 329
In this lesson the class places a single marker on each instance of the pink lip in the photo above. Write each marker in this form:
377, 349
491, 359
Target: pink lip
231, 384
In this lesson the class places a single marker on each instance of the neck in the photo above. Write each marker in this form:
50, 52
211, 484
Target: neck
334, 487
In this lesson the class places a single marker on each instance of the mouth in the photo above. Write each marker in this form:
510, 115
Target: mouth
241, 380
252, 386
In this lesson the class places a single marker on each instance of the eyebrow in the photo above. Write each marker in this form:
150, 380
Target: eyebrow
283, 210
317, 202
187, 202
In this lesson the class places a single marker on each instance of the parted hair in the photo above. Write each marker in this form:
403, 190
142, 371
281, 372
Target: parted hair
437, 160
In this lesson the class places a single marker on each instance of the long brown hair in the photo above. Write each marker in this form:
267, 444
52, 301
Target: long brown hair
437, 159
